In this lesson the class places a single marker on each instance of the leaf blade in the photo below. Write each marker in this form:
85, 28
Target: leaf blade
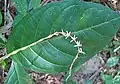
52, 55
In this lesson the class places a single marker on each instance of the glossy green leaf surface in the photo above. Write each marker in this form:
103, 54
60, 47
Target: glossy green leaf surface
17, 75
93, 24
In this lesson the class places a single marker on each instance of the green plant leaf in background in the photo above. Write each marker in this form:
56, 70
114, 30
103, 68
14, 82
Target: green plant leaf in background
108, 79
0, 18
21, 5
112, 61
2, 38
33, 4
117, 78
17, 75
69, 81
2, 41
36, 3
87, 82
88, 21
24, 6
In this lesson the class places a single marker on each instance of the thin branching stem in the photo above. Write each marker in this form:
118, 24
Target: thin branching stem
5, 10
116, 49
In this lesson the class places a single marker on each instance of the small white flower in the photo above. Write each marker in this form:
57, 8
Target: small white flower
73, 39
63, 33
78, 44
80, 51
67, 34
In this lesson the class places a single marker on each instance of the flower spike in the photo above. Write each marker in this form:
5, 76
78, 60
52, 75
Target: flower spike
81, 51
68, 34
78, 44
73, 39
63, 33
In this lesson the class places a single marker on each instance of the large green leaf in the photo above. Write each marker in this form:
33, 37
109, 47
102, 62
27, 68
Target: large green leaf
93, 24
17, 75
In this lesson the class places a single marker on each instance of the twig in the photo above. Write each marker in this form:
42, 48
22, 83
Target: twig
115, 50
44, 2
95, 74
71, 66
5, 10
93, 77
7, 26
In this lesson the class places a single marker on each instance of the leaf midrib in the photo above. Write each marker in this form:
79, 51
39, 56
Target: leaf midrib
42, 39
98, 24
